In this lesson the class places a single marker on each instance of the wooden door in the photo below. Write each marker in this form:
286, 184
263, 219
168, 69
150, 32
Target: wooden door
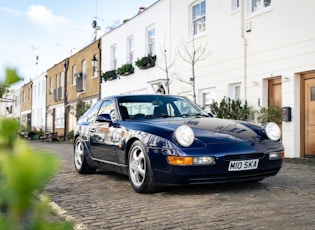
275, 92
309, 110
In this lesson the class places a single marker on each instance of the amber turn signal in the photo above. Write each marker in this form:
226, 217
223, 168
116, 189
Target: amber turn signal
177, 160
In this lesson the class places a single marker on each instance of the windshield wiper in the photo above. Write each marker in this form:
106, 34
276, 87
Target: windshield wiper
194, 115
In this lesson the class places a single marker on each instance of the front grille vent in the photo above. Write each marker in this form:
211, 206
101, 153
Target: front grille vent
243, 156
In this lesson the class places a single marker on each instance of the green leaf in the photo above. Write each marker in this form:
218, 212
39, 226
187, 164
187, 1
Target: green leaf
12, 77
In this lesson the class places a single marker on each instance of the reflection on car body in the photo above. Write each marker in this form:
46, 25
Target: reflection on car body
163, 139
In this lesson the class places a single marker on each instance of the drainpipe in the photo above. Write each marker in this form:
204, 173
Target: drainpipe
100, 69
65, 96
46, 104
244, 51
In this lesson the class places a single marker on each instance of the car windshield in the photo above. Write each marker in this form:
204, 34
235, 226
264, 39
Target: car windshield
155, 106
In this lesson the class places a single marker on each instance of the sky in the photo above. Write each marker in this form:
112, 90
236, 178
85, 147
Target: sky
36, 34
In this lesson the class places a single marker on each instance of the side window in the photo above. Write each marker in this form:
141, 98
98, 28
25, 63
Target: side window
91, 113
107, 107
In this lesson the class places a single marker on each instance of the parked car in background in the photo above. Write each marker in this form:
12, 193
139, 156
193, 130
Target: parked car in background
162, 139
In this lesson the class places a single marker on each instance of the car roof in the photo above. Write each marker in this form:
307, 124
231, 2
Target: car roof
139, 95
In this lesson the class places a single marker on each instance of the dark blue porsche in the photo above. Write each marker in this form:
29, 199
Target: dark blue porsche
163, 139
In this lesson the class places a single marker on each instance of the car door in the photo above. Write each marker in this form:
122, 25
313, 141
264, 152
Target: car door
103, 145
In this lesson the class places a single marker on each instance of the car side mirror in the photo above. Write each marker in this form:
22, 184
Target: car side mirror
210, 115
104, 118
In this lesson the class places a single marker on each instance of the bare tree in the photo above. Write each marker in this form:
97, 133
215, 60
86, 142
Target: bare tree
167, 65
115, 24
192, 53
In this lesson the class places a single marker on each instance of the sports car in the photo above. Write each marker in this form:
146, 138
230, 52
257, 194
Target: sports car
159, 140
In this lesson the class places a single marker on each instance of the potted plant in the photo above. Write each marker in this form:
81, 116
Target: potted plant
125, 69
110, 75
146, 62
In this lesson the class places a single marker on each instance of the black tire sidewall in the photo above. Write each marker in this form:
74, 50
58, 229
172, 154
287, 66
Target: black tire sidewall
148, 183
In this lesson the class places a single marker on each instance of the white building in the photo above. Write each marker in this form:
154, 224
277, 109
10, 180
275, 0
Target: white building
39, 102
262, 51
17, 104
132, 40
7, 104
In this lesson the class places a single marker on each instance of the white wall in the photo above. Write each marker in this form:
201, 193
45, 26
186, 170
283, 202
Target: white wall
281, 43
39, 102
136, 27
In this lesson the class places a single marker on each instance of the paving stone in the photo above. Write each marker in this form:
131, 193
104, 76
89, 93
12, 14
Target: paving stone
106, 200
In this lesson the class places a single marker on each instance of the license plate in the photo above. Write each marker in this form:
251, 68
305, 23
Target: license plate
243, 165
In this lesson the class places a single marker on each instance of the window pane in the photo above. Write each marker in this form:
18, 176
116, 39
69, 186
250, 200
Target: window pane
313, 94
267, 3
260, 4
235, 5
199, 18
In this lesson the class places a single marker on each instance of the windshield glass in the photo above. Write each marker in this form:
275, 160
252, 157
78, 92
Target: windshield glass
138, 107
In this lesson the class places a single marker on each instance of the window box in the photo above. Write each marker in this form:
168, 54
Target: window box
110, 75
146, 62
125, 70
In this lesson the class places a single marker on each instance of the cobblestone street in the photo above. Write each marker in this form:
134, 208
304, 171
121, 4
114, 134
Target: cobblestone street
107, 201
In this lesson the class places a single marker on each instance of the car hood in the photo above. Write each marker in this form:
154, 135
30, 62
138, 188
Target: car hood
208, 128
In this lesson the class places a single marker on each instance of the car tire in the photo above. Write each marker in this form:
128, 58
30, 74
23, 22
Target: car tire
139, 169
80, 162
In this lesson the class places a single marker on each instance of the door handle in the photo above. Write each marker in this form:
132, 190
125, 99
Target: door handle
92, 130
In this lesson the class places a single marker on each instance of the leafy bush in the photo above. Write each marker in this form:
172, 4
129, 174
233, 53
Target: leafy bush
70, 135
23, 172
270, 113
81, 108
232, 109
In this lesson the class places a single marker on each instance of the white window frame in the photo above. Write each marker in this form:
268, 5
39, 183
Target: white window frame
84, 69
255, 7
51, 85
34, 92
150, 40
235, 5
207, 96
113, 55
59, 120
62, 83
198, 22
130, 47
95, 66
39, 85
30, 93
235, 90
57, 81
74, 72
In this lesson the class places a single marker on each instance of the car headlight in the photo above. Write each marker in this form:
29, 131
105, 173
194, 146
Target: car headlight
184, 135
273, 131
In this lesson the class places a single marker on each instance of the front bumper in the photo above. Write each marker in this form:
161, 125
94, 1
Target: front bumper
165, 173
